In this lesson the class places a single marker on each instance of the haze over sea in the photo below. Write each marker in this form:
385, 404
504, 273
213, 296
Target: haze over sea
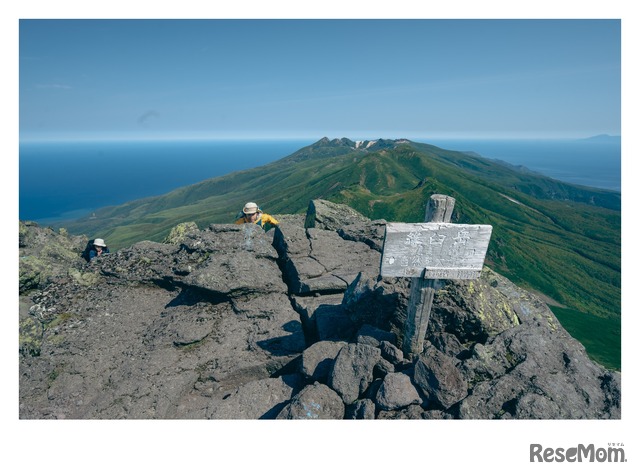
66, 180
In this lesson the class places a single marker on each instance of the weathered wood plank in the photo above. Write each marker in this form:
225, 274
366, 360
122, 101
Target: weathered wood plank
434, 250
414, 331
427, 252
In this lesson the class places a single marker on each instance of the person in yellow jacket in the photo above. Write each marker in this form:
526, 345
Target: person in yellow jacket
251, 213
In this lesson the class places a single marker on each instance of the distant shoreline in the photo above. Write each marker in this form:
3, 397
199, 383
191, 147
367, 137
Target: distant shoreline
58, 180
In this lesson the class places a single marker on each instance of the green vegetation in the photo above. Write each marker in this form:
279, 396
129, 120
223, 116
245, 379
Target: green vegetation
558, 239
600, 337
59, 319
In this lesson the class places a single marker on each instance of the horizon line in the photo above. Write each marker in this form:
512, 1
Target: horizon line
372, 137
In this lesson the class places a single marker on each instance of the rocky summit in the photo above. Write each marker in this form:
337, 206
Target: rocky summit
231, 322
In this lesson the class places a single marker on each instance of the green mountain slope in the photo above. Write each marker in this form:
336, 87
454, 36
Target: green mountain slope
559, 239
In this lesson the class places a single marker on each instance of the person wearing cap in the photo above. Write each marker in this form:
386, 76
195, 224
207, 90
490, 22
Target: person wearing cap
99, 248
251, 213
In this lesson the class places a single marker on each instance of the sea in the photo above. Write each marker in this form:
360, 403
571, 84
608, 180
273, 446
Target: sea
66, 180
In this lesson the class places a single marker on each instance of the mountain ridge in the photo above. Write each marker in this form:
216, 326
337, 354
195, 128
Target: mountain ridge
603, 138
559, 239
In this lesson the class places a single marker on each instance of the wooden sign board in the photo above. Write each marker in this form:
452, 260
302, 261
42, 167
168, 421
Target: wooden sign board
434, 250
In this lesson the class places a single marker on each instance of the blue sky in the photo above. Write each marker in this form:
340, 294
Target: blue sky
363, 79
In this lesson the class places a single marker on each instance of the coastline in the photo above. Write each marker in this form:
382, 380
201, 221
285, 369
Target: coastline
66, 180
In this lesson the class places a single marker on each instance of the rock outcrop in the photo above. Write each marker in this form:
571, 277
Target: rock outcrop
231, 322
46, 255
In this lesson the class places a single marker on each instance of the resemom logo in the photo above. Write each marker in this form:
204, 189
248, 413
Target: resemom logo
612, 453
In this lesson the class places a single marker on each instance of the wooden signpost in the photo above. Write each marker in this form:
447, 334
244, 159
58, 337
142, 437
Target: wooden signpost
427, 252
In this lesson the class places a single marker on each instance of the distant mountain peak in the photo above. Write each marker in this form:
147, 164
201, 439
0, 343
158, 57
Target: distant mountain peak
362, 144
602, 138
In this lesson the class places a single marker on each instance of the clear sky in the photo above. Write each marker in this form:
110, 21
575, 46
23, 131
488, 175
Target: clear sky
358, 78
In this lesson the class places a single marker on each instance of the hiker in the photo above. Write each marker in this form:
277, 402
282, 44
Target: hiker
96, 247
251, 213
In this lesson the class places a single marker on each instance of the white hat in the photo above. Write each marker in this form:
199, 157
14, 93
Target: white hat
250, 208
99, 242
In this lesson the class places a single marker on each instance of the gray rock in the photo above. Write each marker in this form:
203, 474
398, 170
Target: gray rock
396, 392
391, 353
331, 216
364, 409
147, 341
260, 399
475, 310
485, 364
31, 328
382, 368
533, 406
314, 402
438, 377
377, 303
179, 232
514, 386
319, 261
235, 268
370, 233
412, 412
306, 306
46, 256
373, 336
353, 371
332, 322
317, 360
229, 321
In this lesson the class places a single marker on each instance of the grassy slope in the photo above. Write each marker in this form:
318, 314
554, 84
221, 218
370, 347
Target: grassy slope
564, 247
600, 337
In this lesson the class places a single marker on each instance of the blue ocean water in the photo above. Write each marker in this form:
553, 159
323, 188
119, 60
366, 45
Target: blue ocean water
592, 162
65, 180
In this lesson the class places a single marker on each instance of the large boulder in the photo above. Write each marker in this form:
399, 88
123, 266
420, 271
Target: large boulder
353, 371
397, 392
438, 377
314, 402
317, 261
46, 255
317, 360
331, 216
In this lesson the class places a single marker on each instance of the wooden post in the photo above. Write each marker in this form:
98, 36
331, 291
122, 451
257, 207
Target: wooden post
439, 210
427, 253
